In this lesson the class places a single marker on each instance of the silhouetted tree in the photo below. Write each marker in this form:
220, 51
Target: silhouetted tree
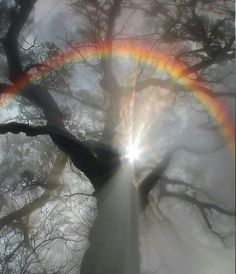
203, 41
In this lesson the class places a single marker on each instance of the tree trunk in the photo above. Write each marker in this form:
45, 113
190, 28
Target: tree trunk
113, 238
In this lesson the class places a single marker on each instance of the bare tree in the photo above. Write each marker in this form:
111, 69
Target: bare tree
84, 141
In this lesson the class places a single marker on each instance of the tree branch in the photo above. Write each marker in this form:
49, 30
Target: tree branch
96, 167
18, 17
153, 178
53, 180
202, 206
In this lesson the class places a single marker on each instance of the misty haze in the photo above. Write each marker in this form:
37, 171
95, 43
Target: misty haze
117, 136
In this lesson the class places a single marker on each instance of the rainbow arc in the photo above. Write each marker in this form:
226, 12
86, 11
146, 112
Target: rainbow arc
141, 53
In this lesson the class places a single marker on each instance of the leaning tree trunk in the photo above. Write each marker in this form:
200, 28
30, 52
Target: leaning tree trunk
113, 238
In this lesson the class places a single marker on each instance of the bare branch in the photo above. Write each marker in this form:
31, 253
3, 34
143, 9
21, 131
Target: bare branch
19, 16
202, 206
95, 167
43, 199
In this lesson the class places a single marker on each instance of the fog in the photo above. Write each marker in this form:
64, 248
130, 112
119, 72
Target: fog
137, 177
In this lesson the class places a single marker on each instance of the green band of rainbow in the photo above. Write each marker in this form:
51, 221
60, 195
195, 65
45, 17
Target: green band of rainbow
157, 59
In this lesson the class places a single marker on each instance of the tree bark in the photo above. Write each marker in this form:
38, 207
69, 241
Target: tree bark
113, 237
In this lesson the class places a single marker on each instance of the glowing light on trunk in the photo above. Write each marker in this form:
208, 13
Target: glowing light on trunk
133, 152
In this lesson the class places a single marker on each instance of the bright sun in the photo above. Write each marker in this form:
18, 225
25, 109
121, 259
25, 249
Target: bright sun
133, 152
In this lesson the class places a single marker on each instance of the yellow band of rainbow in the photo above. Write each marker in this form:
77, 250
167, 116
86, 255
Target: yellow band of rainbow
157, 59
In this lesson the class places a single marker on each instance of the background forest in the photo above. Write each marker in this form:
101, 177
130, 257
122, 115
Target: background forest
109, 165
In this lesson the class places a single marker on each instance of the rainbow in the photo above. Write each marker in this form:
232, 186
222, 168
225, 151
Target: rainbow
141, 53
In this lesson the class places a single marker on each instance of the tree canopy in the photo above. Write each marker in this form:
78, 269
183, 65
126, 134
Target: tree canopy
117, 136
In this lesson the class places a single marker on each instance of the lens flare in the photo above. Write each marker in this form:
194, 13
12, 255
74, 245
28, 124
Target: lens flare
135, 118
133, 152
